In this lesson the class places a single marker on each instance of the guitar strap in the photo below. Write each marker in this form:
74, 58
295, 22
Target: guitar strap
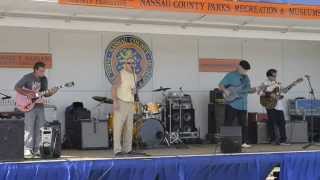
43, 81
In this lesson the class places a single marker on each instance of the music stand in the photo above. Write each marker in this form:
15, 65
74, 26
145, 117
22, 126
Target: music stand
313, 100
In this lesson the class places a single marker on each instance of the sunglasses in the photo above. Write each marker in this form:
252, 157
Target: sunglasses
129, 63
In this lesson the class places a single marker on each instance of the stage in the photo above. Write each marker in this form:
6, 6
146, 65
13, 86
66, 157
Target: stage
181, 162
179, 150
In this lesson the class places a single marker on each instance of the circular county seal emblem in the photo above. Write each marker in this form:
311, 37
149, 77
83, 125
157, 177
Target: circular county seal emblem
125, 47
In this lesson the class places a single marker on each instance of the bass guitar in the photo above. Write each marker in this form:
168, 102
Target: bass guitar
236, 92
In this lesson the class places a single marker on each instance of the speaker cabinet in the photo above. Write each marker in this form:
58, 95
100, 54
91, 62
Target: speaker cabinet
231, 139
187, 120
11, 140
216, 116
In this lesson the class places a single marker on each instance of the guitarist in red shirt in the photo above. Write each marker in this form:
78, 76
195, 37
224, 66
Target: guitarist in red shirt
29, 85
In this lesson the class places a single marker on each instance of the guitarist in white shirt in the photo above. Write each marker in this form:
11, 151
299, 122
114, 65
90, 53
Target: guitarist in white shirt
29, 85
276, 118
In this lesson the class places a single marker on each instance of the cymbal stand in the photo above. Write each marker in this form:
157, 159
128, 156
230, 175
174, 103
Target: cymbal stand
174, 136
180, 109
170, 137
166, 139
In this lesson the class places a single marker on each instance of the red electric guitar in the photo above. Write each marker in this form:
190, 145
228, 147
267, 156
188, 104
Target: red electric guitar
26, 104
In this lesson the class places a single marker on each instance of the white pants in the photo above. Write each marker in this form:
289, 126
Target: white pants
123, 127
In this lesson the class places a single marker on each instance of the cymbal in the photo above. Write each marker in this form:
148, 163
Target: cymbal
103, 99
160, 89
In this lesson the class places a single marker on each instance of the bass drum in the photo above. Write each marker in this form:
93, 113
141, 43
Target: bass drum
151, 133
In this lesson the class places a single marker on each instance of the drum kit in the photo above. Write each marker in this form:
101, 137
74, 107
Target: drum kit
153, 125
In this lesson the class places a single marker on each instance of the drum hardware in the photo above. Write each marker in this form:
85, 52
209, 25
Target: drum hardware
110, 129
182, 105
190, 135
173, 134
154, 116
173, 120
161, 89
169, 137
156, 111
100, 115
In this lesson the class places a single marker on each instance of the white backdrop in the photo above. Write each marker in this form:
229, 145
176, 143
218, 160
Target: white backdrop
78, 56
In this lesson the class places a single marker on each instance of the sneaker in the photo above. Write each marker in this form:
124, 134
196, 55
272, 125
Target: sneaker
245, 145
284, 144
27, 153
37, 154
274, 143
119, 154
134, 153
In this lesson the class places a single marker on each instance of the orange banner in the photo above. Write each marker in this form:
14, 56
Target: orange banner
218, 65
24, 60
216, 7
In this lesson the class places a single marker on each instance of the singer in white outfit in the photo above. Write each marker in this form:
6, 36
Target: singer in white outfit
123, 90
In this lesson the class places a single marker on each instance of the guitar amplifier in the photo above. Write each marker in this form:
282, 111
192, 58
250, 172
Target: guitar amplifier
83, 132
262, 133
11, 140
94, 134
297, 131
74, 115
256, 127
216, 96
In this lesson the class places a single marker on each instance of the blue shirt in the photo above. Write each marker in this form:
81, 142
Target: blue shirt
236, 79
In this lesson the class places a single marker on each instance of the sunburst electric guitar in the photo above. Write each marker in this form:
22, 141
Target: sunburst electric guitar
269, 100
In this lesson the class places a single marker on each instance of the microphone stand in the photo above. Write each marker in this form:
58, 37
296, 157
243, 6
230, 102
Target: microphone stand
313, 100
136, 99
136, 83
